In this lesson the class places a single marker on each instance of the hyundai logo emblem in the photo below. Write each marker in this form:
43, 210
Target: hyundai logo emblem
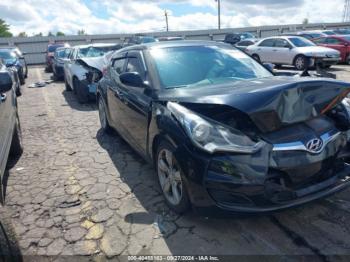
314, 145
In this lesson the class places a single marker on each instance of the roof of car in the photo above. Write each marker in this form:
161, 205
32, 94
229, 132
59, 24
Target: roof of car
283, 36
174, 44
95, 45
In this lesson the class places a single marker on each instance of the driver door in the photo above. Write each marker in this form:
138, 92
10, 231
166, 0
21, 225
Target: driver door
134, 104
282, 52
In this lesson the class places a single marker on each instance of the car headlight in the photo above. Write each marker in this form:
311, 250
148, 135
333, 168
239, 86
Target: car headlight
212, 136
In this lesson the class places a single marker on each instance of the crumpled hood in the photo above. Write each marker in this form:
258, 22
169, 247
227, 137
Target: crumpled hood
270, 102
95, 62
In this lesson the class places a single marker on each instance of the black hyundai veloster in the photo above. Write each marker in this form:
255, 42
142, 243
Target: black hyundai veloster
223, 131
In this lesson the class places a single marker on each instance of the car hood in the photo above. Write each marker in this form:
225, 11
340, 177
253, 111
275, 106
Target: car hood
270, 102
95, 62
318, 50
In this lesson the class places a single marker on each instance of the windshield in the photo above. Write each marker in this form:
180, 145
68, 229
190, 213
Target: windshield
52, 48
62, 53
93, 51
148, 40
7, 55
247, 35
329, 32
301, 42
204, 65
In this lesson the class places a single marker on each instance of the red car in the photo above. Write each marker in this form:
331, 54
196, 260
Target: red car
337, 42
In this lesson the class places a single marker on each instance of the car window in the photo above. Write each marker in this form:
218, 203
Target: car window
118, 65
198, 66
267, 43
134, 65
282, 43
244, 43
333, 41
320, 41
301, 42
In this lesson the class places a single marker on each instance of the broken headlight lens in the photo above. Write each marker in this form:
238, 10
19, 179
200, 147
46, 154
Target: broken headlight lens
212, 136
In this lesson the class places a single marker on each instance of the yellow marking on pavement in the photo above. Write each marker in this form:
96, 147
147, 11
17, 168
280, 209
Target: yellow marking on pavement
72, 179
50, 112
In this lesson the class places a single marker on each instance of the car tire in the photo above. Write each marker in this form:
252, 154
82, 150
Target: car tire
18, 90
21, 78
256, 57
300, 62
16, 144
68, 87
54, 77
82, 95
171, 178
103, 115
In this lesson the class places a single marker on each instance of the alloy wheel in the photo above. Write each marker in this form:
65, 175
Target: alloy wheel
170, 177
300, 63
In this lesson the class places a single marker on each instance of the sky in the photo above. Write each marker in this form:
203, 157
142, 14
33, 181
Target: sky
137, 16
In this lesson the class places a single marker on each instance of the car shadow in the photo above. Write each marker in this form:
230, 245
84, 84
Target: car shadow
72, 101
141, 178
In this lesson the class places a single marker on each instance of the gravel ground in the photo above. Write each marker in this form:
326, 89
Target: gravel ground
78, 191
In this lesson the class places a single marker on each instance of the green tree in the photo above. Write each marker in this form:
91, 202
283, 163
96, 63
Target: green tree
22, 34
59, 33
4, 29
81, 32
305, 21
50, 34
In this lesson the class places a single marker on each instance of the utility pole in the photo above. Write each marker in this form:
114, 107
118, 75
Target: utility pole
346, 11
166, 20
219, 14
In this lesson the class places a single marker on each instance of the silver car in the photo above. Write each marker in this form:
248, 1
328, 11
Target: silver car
83, 68
292, 50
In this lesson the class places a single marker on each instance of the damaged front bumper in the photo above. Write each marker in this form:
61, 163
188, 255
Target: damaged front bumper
238, 183
89, 88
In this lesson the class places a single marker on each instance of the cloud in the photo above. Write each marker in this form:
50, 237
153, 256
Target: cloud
125, 16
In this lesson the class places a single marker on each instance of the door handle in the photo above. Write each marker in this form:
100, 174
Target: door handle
3, 97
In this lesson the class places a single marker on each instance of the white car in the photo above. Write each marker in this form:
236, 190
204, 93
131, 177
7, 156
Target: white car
84, 67
292, 50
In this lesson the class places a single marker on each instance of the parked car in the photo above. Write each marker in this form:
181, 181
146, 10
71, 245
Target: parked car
242, 45
337, 42
12, 60
84, 69
342, 31
234, 38
137, 40
60, 57
10, 129
170, 38
306, 34
50, 52
292, 50
21, 58
222, 131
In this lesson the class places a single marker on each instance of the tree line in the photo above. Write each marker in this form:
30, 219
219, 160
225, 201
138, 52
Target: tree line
5, 31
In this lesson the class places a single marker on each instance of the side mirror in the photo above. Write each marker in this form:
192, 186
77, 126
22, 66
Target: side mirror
269, 66
5, 82
132, 79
